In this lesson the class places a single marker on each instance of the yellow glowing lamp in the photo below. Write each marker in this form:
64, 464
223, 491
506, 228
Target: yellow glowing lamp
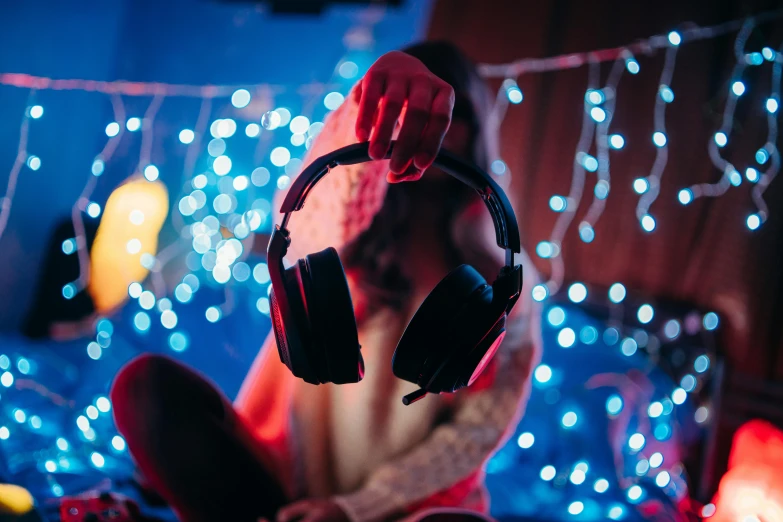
132, 219
15, 500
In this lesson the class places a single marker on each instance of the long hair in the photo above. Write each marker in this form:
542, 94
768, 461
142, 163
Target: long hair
377, 251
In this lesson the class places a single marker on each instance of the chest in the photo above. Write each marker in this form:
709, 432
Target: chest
368, 423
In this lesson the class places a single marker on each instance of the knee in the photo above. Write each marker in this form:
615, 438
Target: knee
141, 385
155, 390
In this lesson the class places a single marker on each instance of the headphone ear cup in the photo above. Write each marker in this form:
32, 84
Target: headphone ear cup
481, 342
291, 327
336, 351
427, 337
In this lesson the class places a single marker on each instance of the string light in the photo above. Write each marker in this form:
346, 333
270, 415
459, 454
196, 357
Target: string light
731, 176
679, 396
710, 321
240, 98
569, 419
575, 508
685, 196
543, 373
662, 479
614, 405
186, 136
548, 473
566, 338
513, 92
216, 211
133, 124
617, 293
526, 440
599, 104
636, 441
21, 155
577, 292
645, 313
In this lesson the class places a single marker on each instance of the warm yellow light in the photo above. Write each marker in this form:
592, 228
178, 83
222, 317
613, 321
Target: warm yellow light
132, 219
15, 500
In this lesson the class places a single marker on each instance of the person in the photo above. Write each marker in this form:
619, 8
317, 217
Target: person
286, 450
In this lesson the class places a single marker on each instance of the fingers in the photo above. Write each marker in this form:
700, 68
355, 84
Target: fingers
356, 93
293, 511
438, 125
370, 93
417, 115
393, 100
428, 104
410, 174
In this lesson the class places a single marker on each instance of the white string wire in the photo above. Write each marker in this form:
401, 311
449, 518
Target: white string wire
660, 139
148, 131
771, 145
83, 200
690, 33
552, 248
729, 174
604, 106
19, 161
603, 183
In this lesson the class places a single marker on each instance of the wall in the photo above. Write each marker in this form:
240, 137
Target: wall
176, 41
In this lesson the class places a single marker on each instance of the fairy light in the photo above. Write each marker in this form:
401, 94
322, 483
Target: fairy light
577, 292
577, 182
21, 158
730, 174
156, 310
543, 374
240, 98
602, 145
133, 124
526, 440
513, 92
598, 106
548, 473
659, 138
601, 486
641, 185
575, 508
118, 443
617, 293
757, 194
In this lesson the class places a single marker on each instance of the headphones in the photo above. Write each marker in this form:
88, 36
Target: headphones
451, 338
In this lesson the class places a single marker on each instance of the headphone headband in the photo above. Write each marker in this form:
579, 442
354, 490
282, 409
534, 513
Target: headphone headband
503, 217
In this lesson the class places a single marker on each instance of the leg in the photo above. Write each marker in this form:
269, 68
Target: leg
190, 444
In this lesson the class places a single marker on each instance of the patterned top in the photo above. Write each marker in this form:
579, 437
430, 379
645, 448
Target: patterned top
423, 463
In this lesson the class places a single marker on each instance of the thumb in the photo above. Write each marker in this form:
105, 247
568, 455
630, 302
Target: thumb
411, 174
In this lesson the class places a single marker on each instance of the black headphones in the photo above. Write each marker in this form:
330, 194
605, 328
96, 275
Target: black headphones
451, 337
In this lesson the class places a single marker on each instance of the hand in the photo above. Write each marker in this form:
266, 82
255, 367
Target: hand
312, 510
401, 81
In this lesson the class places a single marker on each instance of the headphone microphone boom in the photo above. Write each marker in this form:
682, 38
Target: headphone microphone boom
448, 342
